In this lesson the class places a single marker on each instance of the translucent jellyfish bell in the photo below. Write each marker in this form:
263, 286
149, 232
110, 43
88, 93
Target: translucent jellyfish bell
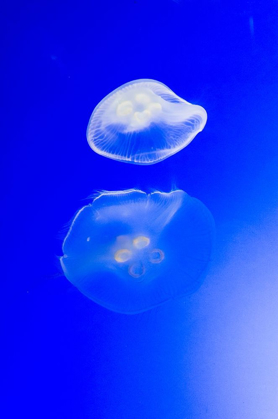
129, 251
143, 122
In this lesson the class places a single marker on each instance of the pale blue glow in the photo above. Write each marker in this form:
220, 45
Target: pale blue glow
130, 251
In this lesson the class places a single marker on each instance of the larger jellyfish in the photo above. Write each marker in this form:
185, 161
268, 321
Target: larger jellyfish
130, 251
143, 122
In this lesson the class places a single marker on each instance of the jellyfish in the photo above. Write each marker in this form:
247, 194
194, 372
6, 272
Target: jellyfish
143, 122
130, 251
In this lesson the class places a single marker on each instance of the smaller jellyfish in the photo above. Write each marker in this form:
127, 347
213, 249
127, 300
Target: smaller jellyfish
130, 251
143, 122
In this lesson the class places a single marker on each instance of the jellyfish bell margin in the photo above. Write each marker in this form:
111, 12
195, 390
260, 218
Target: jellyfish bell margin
129, 251
143, 122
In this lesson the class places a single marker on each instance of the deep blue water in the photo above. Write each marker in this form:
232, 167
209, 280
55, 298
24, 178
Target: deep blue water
212, 354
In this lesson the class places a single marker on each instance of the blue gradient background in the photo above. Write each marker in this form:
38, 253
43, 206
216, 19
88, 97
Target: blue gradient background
213, 354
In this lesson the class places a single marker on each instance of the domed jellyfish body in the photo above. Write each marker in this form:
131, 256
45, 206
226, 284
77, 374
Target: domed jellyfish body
143, 122
130, 251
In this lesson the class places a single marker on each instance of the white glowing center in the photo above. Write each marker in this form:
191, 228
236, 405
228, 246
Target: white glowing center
138, 109
138, 260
